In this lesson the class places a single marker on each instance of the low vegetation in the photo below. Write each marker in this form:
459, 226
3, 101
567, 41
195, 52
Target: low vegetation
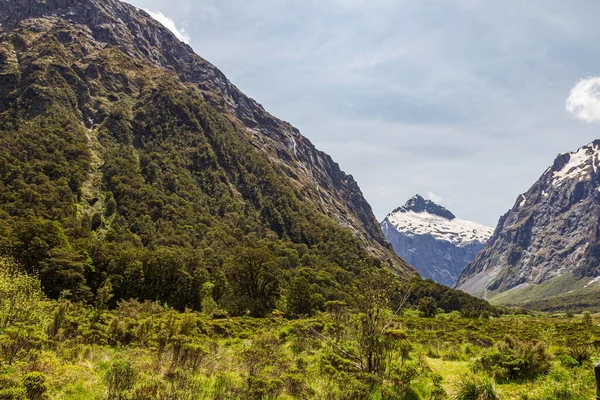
382, 347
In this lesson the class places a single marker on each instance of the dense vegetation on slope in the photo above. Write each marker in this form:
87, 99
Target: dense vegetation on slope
54, 349
159, 196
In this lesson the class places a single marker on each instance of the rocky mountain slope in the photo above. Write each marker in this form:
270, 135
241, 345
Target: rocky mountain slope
85, 28
433, 240
548, 244
119, 143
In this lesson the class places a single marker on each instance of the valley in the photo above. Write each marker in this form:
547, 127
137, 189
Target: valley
163, 236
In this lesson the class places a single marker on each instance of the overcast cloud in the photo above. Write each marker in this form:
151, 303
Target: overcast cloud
461, 100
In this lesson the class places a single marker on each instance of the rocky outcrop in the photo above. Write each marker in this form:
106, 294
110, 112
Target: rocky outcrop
552, 230
433, 240
102, 24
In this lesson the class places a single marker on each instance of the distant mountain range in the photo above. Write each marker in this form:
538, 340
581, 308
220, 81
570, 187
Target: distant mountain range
433, 240
545, 252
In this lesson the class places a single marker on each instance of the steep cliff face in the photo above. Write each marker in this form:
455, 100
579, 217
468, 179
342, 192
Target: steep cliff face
85, 31
433, 240
551, 235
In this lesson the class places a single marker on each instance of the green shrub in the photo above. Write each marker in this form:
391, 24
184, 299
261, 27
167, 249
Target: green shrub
580, 352
120, 378
295, 384
12, 394
437, 392
567, 361
514, 359
472, 387
587, 319
260, 388
35, 385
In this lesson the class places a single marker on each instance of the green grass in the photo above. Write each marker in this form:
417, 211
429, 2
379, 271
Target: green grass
565, 284
451, 371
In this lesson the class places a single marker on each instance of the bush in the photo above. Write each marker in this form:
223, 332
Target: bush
12, 394
580, 352
471, 387
35, 385
437, 392
120, 378
514, 359
567, 361
259, 388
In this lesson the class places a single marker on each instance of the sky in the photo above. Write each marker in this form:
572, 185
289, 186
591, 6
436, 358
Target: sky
465, 102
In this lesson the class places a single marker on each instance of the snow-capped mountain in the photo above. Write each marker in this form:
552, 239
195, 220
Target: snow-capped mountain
433, 240
548, 244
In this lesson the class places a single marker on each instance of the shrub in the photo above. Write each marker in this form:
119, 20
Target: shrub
402, 376
21, 299
472, 387
12, 394
567, 361
295, 384
587, 319
437, 392
18, 343
120, 378
580, 352
259, 388
223, 388
514, 359
35, 385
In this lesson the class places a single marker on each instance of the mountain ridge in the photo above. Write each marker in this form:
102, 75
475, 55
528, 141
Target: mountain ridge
552, 230
131, 164
134, 32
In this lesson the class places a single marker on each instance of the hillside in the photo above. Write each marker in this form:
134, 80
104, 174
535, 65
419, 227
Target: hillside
128, 161
545, 250
433, 240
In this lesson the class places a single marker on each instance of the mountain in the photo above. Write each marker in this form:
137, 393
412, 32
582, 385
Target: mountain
128, 161
433, 240
545, 251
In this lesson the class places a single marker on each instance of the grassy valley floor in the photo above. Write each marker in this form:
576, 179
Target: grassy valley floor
60, 349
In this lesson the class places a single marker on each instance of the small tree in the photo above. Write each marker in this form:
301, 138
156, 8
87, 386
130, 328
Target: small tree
104, 295
587, 319
427, 307
299, 297
252, 274
209, 305
372, 295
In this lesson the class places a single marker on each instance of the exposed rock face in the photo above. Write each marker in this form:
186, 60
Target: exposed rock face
89, 26
553, 229
433, 240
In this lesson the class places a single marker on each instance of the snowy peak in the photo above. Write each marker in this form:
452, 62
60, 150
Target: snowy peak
552, 231
433, 240
424, 217
580, 165
418, 204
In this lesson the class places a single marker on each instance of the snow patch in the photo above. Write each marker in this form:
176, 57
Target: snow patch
579, 166
455, 230
523, 201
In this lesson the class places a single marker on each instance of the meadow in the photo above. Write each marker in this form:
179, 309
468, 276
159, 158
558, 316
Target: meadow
60, 349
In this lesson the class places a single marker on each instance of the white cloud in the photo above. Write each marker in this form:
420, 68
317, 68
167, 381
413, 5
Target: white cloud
170, 25
584, 100
434, 197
